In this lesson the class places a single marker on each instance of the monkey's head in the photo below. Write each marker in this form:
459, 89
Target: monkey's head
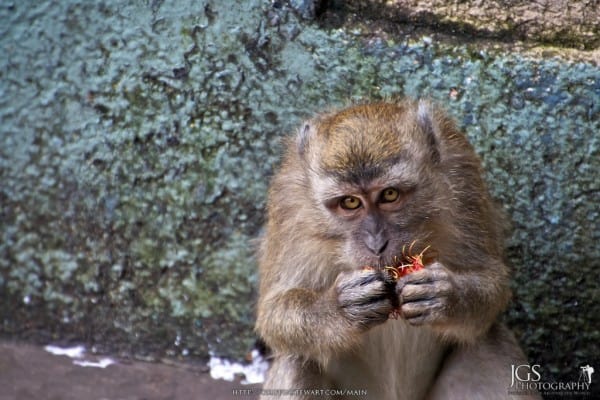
377, 175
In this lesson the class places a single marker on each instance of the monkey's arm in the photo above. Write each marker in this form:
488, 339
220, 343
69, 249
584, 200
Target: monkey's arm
316, 324
461, 304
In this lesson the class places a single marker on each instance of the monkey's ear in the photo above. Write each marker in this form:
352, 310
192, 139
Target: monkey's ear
428, 125
303, 137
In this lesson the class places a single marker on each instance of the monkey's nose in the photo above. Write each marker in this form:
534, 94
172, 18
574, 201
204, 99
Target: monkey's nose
376, 245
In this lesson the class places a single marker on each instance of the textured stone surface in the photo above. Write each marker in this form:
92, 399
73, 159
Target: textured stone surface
560, 22
563, 23
137, 140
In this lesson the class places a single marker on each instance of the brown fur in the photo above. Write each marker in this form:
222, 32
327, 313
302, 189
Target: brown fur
318, 307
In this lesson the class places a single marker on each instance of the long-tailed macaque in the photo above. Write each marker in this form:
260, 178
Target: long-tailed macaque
355, 188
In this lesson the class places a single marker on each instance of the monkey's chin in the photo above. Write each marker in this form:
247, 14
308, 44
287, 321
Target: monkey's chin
367, 261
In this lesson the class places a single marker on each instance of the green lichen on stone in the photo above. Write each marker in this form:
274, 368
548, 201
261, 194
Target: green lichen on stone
136, 156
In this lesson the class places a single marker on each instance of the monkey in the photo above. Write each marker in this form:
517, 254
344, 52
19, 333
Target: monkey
354, 187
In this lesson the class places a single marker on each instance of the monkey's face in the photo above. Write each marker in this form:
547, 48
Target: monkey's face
376, 220
374, 177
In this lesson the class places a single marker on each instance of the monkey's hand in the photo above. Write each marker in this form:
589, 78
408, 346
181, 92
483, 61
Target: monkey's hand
363, 298
427, 296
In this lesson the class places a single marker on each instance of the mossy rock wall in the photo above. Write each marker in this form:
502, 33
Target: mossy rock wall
138, 138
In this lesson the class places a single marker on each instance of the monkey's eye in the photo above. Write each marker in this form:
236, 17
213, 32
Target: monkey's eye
350, 203
389, 195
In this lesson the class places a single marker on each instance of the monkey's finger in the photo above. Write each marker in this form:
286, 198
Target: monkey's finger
367, 315
415, 320
362, 294
380, 309
350, 280
438, 272
437, 289
425, 311
417, 277
411, 293
412, 310
420, 320
368, 277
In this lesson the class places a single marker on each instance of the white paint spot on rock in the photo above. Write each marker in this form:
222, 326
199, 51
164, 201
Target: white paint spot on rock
78, 352
253, 373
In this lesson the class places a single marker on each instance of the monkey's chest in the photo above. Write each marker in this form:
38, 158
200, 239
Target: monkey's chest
397, 361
